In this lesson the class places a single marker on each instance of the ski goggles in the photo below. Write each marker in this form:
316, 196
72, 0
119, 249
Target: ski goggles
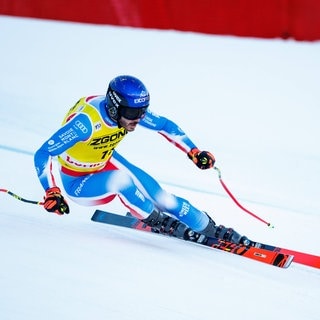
132, 113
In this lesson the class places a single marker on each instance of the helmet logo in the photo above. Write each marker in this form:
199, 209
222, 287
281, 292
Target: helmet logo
113, 112
117, 97
144, 96
138, 100
113, 97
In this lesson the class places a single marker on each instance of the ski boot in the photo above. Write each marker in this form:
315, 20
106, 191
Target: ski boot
164, 224
221, 232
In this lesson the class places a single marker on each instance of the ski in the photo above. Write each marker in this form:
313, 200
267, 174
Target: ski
304, 258
279, 259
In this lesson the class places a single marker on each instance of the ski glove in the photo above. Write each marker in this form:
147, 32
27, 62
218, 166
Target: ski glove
55, 202
202, 159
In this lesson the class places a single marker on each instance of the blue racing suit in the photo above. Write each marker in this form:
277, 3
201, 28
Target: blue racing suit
93, 172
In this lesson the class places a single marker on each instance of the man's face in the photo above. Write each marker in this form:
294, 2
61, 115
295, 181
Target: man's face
129, 125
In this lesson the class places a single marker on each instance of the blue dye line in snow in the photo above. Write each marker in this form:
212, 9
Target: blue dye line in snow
17, 150
21, 151
29, 153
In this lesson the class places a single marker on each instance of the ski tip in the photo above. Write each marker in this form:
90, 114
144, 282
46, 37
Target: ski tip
96, 215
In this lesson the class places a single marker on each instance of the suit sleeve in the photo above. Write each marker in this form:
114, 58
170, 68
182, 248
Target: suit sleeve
168, 129
79, 128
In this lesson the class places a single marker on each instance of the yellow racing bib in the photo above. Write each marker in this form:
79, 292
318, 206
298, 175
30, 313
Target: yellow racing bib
93, 154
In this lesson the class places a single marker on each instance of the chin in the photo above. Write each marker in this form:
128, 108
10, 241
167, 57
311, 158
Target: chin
130, 128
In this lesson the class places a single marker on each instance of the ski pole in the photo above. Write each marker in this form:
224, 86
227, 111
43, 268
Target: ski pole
20, 198
237, 202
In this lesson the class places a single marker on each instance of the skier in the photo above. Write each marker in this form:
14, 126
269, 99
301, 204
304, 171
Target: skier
94, 173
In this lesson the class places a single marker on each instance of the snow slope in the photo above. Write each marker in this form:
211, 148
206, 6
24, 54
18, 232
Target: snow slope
253, 103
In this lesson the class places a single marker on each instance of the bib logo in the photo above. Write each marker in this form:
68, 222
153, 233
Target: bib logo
81, 126
108, 138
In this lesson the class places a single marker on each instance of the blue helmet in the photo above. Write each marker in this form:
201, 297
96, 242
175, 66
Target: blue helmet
126, 97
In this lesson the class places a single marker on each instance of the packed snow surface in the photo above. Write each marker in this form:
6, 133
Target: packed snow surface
253, 103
